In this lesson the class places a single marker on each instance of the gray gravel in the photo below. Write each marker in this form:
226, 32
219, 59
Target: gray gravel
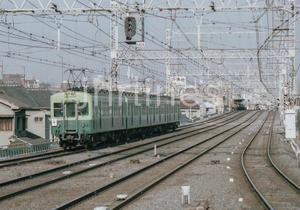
208, 181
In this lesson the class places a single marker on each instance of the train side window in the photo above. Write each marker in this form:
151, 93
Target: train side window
136, 110
129, 109
157, 109
162, 109
122, 109
105, 109
100, 111
58, 110
116, 109
165, 108
150, 109
83, 108
153, 108
110, 108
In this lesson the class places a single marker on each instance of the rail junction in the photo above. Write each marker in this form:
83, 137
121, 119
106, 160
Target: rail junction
203, 155
232, 68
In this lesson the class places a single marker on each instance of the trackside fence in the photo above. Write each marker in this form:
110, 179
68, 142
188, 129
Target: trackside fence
21, 149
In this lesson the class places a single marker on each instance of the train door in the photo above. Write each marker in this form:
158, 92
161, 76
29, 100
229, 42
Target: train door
154, 107
159, 112
70, 118
111, 111
147, 114
123, 111
165, 114
140, 113
131, 107
100, 114
174, 111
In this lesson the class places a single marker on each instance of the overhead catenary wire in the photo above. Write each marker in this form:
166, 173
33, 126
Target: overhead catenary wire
163, 46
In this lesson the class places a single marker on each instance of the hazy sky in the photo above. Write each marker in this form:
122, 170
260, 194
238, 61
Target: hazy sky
30, 40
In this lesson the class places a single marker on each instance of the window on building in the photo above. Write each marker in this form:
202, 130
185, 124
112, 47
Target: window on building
38, 119
6, 124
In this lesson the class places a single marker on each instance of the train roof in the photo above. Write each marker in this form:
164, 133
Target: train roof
105, 91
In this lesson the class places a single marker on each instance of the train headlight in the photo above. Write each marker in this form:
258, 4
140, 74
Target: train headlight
82, 125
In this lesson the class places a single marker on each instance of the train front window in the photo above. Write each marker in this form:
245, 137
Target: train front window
57, 110
83, 109
70, 110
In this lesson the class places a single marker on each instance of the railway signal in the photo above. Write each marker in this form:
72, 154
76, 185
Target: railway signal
130, 27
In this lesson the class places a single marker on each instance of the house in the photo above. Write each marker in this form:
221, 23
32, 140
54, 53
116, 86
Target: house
190, 108
24, 113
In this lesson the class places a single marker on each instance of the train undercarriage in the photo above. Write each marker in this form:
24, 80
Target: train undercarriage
90, 141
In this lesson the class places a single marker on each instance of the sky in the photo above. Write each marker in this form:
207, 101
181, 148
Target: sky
29, 41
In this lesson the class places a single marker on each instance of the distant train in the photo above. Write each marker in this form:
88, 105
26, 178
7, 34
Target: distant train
241, 106
94, 116
238, 104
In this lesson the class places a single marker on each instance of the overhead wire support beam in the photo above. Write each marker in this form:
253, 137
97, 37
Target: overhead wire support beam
290, 21
195, 54
154, 5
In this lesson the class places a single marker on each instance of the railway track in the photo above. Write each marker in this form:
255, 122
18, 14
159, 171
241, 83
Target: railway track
273, 188
89, 159
34, 184
144, 179
39, 157
61, 152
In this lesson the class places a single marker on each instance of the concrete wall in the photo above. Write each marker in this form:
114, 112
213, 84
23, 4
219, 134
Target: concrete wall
4, 137
5, 110
34, 126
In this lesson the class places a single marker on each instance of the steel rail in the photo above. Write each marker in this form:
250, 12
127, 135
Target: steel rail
159, 180
132, 197
111, 153
41, 157
10, 195
28, 156
210, 119
282, 175
34, 158
273, 164
264, 201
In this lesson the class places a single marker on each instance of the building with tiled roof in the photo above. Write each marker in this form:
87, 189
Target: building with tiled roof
23, 112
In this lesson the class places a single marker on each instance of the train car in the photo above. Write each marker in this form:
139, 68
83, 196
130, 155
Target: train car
241, 106
94, 116
238, 104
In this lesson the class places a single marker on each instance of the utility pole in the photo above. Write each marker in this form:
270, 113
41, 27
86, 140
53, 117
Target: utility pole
114, 42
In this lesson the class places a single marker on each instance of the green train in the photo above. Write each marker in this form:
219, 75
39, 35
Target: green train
88, 117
